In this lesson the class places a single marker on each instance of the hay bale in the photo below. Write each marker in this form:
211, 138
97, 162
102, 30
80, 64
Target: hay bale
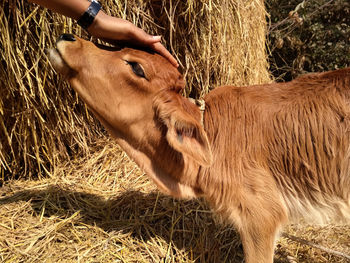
218, 42
42, 122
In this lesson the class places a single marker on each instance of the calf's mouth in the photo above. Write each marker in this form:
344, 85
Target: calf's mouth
56, 57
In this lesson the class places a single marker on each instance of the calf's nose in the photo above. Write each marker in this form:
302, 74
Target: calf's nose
66, 37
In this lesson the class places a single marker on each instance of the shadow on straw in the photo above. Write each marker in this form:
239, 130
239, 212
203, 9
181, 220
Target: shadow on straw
188, 225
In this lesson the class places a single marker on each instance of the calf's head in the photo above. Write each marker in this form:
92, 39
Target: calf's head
135, 95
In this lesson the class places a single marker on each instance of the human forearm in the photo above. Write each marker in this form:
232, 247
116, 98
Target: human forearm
70, 8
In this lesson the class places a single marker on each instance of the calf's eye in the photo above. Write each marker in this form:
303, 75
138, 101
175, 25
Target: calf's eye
137, 69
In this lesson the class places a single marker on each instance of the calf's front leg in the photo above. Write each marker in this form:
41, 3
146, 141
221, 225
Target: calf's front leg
259, 224
258, 243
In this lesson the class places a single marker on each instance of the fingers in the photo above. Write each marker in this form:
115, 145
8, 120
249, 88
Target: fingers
117, 29
152, 41
137, 34
158, 47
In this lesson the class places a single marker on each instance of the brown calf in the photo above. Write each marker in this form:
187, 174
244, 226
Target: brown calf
263, 155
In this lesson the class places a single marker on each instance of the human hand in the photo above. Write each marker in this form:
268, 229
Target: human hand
113, 29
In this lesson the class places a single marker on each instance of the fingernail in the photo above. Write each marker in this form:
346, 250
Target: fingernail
158, 38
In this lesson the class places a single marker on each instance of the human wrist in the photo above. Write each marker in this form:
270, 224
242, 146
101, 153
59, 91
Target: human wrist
96, 28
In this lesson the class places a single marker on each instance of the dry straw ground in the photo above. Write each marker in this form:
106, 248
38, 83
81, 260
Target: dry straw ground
101, 208
79, 198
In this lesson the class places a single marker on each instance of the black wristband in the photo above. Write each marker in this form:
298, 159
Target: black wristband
88, 17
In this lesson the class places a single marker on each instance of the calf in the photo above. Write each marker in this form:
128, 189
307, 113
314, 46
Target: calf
260, 155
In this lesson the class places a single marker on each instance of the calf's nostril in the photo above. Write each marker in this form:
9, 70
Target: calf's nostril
66, 37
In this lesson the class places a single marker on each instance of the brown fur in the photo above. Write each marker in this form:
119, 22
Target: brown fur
266, 154
286, 153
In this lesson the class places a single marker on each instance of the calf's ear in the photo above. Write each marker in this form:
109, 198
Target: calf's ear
184, 131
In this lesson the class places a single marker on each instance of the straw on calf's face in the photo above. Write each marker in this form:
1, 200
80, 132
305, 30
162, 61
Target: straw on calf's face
263, 154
